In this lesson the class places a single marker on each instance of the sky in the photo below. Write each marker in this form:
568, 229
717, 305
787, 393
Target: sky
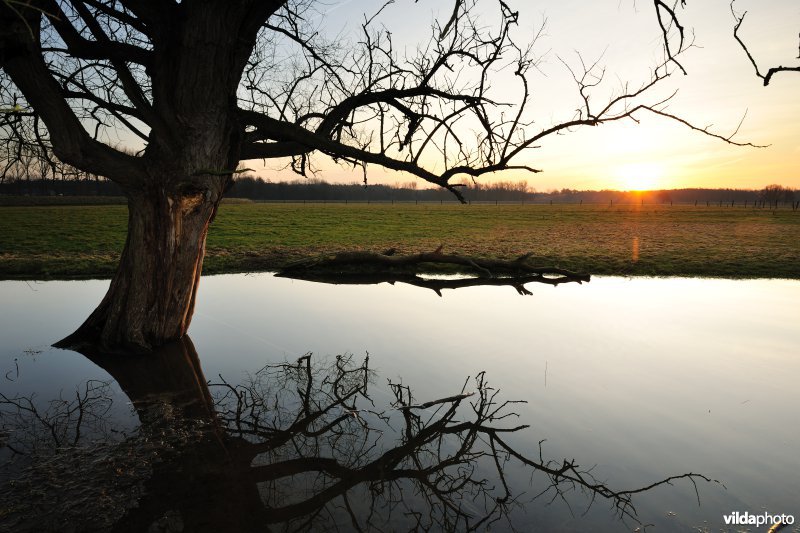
719, 90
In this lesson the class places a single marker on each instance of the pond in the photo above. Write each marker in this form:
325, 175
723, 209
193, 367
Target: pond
626, 382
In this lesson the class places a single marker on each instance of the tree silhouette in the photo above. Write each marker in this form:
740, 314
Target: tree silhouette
774, 193
203, 85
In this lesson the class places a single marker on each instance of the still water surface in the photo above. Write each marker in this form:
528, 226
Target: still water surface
637, 379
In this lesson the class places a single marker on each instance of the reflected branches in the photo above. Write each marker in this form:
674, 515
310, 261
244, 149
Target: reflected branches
33, 428
306, 444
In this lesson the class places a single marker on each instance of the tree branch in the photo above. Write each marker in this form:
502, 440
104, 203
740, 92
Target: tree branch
772, 70
83, 48
23, 61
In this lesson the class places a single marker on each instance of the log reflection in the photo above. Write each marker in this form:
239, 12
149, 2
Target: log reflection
295, 446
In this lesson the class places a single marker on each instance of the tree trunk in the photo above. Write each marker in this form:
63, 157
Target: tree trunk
151, 297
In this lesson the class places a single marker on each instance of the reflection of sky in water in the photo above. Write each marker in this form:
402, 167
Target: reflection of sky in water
645, 377
34, 314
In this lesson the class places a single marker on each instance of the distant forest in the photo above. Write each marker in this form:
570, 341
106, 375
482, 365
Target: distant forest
315, 190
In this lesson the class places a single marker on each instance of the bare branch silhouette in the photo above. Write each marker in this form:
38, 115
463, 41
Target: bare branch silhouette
771, 71
672, 30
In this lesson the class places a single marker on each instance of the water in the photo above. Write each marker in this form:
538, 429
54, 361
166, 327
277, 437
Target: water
637, 379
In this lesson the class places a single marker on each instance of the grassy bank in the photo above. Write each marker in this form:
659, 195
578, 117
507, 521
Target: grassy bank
41, 242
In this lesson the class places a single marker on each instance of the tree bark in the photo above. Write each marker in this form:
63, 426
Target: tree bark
151, 297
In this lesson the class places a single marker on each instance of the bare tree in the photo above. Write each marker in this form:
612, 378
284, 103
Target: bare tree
203, 85
774, 193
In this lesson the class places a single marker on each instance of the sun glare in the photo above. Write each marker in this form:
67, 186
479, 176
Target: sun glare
640, 176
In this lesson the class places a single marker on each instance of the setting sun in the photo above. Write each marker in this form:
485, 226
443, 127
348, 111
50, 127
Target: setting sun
640, 176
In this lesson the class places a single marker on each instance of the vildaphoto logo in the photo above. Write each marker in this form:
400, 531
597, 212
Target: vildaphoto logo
764, 519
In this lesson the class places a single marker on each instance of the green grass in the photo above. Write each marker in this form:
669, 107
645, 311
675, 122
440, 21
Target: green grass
41, 242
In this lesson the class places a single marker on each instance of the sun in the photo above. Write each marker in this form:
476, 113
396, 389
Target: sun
639, 176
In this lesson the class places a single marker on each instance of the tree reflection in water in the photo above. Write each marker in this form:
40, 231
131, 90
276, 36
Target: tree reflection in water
296, 446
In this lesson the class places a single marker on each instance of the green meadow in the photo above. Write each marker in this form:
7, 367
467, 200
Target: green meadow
81, 241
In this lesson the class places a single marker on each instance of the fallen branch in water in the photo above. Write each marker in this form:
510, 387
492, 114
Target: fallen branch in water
363, 267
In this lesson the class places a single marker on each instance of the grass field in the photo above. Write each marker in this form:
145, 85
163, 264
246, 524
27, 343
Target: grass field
42, 242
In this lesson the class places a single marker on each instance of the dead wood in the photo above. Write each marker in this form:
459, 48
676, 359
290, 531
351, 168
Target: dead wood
364, 268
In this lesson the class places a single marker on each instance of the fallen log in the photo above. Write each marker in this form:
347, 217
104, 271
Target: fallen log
364, 267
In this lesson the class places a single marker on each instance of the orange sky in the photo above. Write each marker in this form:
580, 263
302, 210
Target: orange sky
719, 89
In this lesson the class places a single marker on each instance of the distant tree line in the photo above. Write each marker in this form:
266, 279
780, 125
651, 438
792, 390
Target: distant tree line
313, 190
770, 195
61, 187
316, 190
